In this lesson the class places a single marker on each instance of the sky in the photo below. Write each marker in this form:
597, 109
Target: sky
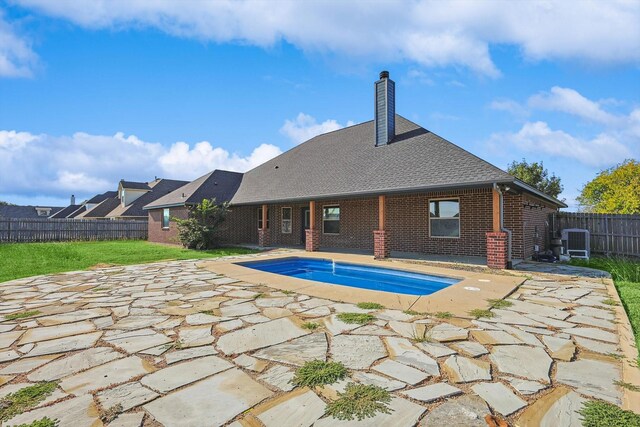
94, 92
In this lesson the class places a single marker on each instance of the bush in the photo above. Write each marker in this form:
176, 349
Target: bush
600, 414
319, 372
198, 231
360, 318
360, 401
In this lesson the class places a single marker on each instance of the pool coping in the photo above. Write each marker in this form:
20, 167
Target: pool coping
454, 298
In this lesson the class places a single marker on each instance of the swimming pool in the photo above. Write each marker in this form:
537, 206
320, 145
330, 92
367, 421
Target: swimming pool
354, 275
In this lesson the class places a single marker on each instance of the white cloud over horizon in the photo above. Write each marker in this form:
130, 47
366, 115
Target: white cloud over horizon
616, 139
428, 33
305, 127
46, 166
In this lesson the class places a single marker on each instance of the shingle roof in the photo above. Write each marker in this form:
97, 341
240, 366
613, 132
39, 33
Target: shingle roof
132, 185
25, 211
160, 188
102, 209
100, 197
346, 162
66, 212
218, 184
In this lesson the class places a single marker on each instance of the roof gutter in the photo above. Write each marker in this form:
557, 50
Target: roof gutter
168, 205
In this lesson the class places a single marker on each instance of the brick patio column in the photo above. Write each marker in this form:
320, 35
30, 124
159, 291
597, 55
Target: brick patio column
497, 250
264, 239
312, 235
381, 235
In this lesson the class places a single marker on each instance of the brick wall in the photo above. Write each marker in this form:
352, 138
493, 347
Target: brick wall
408, 223
535, 224
170, 235
497, 256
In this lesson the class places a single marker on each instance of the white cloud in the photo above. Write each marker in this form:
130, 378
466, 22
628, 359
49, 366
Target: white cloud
538, 137
305, 127
430, 33
570, 101
85, 164
16, 56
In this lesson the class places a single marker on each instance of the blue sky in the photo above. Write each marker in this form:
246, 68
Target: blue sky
94, 92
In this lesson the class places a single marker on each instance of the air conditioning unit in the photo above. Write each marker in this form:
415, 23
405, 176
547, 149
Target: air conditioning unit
576, 242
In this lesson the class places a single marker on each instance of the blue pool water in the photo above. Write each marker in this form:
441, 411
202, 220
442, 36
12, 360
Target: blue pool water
354, 275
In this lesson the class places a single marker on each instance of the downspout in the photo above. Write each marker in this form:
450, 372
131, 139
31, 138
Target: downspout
502, 227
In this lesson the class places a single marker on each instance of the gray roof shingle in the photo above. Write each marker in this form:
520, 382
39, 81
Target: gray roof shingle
346, 162
12, 211
218, 184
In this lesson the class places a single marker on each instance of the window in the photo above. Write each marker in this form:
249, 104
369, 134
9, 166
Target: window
260, 218
444, 218
43, 212
331, 219
286, 220
165, 218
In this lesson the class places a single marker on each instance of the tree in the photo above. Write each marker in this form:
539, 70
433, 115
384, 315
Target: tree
537, 176
614, 190
198, 231
2, 203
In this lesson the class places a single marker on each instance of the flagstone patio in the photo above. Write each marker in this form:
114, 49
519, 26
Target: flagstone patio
175, 344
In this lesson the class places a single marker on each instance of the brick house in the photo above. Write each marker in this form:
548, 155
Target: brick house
384, 186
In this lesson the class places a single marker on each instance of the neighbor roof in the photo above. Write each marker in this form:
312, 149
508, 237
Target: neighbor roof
158, 189
26, 211
132, 185
218, 184
346, 163
101, 197
102, 209
66, 212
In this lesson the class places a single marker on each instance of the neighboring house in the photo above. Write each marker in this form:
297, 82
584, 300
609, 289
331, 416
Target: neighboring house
219, 185
387, 185
12, 211
70, 211
127, 202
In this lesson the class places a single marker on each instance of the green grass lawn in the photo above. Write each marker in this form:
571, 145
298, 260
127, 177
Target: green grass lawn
30, 259
626, 276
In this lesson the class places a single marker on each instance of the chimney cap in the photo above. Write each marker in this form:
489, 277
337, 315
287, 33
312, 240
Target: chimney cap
384, 74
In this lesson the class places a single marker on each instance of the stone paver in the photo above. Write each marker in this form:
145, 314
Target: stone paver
196, 348
299, 408
297, 351
259, 336
558, 408
499, 397
529, 362
357, 351
212, 401
467, 410
432, 392
463, 370
184, 373
114, 372
592, 378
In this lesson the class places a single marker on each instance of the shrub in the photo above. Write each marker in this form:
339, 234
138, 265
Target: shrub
599, 414
42, 422
370, 306
24, 399
310, 325
319, 372
478, 313
444, 315
360, 318
198, 231
499, 303
21, 315
360, 401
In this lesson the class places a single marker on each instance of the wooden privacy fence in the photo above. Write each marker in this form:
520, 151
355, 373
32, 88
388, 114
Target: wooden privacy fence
610, 234
59, 230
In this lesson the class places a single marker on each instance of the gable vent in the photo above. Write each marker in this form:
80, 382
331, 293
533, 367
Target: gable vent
385, 109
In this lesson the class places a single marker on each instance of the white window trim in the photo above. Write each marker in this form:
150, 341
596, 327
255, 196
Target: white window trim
169, 222
457, 199
290, 220
258, 219
323, 220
